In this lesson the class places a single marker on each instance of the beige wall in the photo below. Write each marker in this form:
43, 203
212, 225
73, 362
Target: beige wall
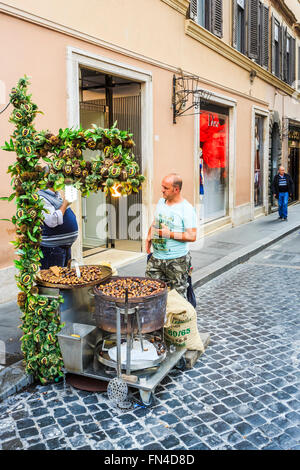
155, 32
30, 54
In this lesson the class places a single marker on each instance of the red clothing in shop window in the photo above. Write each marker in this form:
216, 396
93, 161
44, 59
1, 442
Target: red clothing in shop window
209, 123
214, 149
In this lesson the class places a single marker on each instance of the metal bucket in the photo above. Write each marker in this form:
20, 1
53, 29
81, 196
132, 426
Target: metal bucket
78, 306
77, 343
152, 311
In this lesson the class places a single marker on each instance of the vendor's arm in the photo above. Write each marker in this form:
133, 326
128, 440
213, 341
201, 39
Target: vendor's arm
53, 217
189, 235
149, 237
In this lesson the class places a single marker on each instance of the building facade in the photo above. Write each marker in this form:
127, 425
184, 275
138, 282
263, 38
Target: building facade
208, 87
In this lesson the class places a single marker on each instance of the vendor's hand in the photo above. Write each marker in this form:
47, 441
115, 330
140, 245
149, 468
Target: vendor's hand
66, 202
164, 231
64, 206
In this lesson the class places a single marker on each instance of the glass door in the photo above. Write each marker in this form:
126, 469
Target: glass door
94, 210
258, 161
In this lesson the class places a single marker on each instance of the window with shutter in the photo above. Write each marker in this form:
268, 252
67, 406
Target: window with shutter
298, 78
253, 28
280, 34
201, 14
209, 14
193, 11
217, 17
285, 55
234, 23
238, 25
293, 61
265, 37
273, 44
276, 47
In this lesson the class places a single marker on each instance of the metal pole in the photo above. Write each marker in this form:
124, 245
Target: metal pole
118, 343
128, 337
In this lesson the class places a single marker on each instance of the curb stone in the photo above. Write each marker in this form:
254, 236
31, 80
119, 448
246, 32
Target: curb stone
13, 379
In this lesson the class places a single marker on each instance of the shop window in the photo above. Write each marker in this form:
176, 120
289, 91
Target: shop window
258, 160
214, 163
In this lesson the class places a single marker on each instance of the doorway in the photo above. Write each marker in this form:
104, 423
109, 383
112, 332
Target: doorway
275, 148
293, 170
108, 222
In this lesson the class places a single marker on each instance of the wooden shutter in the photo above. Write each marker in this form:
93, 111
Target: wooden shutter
265, 36
293, 61
280, 53
234, 23
298, 78
217, 17
253, 29
284, 65
273, 45
193, 10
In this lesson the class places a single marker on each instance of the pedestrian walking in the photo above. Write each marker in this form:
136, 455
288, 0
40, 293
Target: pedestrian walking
282, 188
173, 227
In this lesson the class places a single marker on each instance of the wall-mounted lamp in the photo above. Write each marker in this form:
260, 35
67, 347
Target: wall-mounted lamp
252, 75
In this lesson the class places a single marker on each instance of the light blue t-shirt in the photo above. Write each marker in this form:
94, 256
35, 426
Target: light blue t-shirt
177, 218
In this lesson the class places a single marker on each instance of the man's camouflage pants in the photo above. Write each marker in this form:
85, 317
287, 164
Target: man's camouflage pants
174, 272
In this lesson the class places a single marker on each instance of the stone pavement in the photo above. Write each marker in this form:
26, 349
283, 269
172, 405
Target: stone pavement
214, 255
243, 393
226, 248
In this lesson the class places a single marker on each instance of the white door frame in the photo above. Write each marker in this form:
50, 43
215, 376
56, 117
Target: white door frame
77, 57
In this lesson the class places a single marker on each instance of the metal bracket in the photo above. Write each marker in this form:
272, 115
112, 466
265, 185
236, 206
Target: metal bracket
185, 86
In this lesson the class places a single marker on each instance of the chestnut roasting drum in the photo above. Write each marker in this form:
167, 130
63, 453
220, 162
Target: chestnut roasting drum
148, 295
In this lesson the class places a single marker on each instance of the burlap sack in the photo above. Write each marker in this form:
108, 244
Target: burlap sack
181, 323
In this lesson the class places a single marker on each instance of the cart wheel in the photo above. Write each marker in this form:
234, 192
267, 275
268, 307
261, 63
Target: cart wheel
146, 397
181, 364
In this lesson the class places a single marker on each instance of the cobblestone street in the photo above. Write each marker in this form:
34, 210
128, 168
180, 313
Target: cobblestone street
243, 393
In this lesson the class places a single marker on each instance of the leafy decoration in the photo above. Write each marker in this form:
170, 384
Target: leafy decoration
113, 166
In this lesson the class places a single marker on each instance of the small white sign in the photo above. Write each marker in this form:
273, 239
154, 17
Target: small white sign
70, 193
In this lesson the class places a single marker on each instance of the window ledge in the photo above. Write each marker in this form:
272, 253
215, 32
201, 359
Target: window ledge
180, 5
205, 37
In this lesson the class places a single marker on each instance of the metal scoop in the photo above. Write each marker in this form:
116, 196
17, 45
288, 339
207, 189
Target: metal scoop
117, 389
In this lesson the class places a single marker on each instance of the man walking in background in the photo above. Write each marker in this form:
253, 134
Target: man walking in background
283, 188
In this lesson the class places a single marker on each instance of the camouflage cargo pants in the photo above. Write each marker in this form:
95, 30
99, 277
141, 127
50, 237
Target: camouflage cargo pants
172, 271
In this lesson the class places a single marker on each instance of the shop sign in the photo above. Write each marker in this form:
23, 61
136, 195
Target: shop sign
294, 135
212, 121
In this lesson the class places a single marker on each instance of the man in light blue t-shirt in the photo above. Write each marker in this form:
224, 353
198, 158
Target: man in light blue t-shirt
174, 226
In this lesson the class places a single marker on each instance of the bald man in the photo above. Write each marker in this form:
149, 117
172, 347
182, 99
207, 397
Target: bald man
174, 226
282, 188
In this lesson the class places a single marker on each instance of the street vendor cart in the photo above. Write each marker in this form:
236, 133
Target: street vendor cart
114, 328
